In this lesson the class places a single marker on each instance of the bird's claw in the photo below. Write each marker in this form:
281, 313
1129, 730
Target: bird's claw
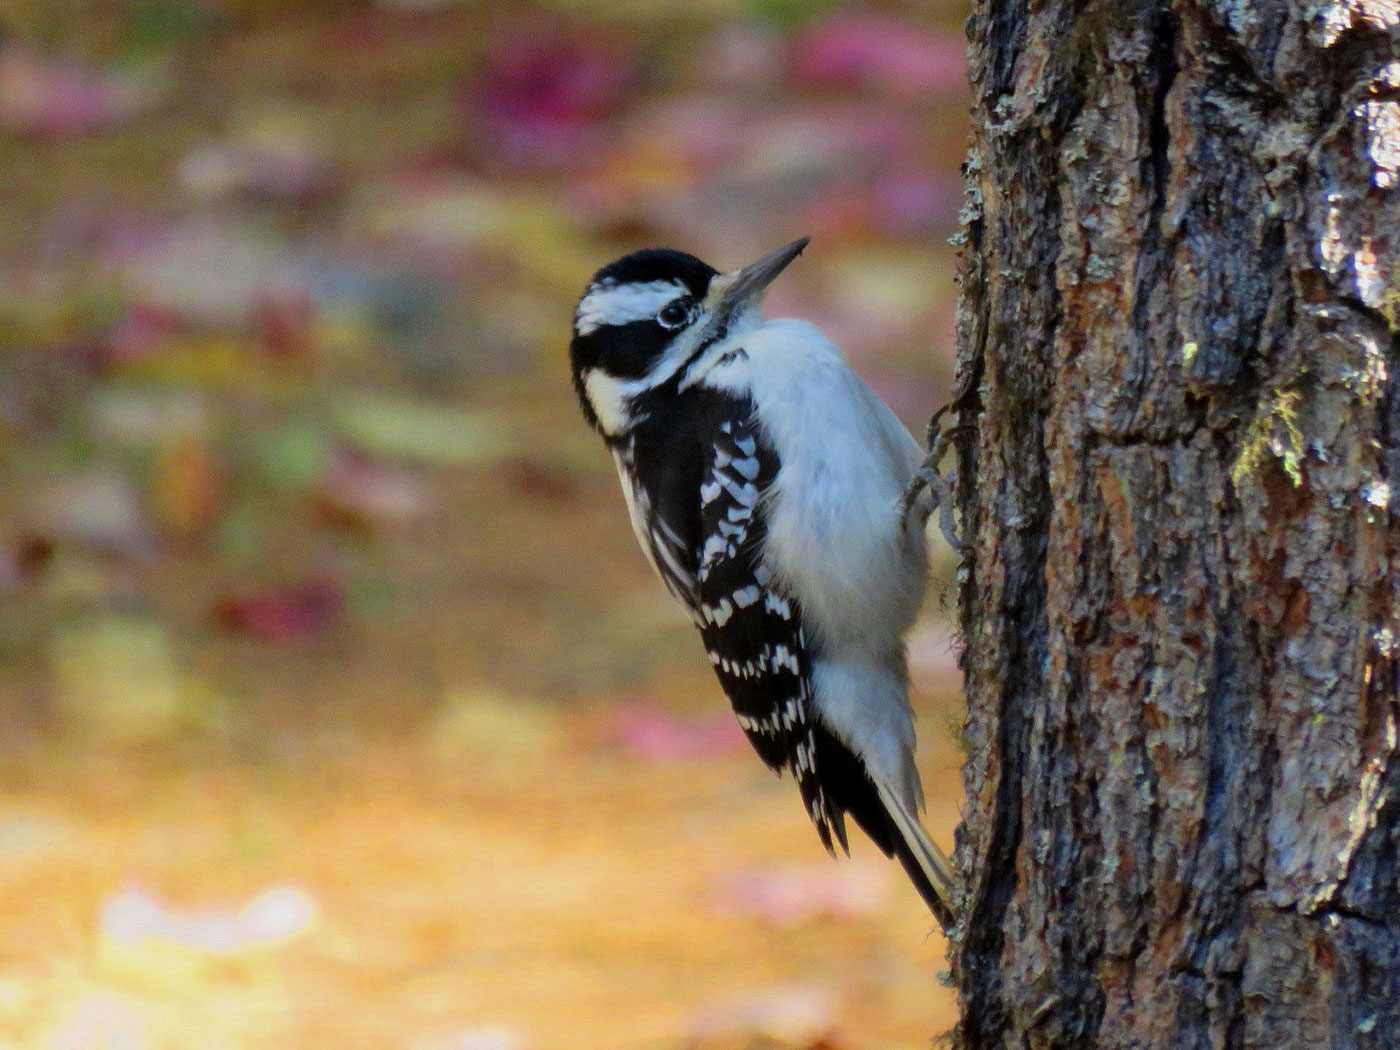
939, 486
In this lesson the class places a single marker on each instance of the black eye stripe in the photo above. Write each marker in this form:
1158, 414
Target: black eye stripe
627, 351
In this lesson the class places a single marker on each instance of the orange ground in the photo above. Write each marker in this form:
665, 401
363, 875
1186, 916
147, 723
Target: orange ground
574, 897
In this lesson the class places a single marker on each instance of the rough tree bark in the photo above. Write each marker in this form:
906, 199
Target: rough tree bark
1178, 345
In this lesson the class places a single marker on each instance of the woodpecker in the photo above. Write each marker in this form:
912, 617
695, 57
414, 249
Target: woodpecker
775, 494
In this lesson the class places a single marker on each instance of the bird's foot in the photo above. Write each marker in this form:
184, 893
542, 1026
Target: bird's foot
917, 507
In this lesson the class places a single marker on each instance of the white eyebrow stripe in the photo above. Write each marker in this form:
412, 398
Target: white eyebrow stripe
610, 304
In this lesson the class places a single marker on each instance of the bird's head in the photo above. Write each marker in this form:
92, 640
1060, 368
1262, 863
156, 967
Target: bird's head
646, 316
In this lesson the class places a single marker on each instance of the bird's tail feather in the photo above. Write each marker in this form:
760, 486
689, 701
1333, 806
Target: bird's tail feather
925, 863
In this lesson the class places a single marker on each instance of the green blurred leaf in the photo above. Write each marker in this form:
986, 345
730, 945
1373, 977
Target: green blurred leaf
117, 678
788, 15
492, 729
155, 26
137, 417
368, 596
240, 533
416, 431
296, 455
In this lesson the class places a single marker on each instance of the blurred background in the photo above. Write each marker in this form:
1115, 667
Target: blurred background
337, 706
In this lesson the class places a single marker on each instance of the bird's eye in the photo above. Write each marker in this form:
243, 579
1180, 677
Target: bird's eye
675, 313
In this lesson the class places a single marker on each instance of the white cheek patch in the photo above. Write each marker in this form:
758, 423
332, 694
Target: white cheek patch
613, 304
608, 398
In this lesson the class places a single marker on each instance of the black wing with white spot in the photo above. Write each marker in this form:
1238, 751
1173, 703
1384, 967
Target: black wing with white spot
753, 632
663, 537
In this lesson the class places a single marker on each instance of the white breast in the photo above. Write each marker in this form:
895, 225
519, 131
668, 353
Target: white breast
835, 535
836, 538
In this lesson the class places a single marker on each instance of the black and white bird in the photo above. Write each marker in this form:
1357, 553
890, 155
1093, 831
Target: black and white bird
764, 480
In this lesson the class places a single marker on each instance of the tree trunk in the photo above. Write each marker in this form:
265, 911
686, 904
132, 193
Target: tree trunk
1178, 345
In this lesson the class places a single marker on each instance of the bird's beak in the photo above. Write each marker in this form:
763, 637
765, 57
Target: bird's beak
740, 289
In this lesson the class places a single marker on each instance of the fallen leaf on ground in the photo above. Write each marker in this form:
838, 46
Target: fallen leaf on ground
652, 733
793, 1014
273, 155
362, 494
285, 318
100, 510
419, 431
492, 728
61, 99
292, 613
141, 330
23, 559
273, 917
187, 488
540, 480
208, 271
117, 678
789, 894
138, 416
543, 94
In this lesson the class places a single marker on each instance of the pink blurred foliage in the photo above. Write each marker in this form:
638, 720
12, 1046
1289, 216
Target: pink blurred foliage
652, 733
907, 202
64, 99
828, 167
788, 1015
934, 650
913, 395
790, 894
544, 95
881, 52
209, 270
295, 612
138, 332
98, 509
862, 134
276, 165
363, 494
284, 315
745, 56
701, 131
